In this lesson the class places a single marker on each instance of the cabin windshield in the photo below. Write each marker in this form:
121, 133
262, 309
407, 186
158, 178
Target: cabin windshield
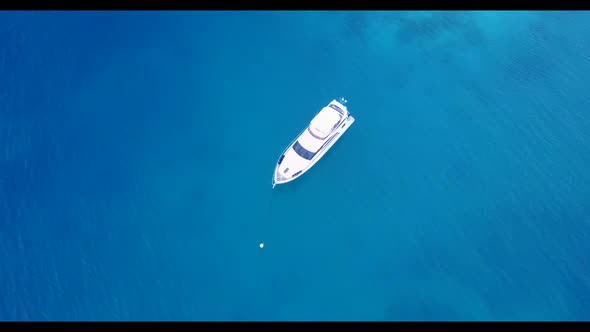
303, 152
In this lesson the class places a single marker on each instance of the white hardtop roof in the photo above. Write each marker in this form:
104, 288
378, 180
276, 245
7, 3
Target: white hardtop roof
325, 120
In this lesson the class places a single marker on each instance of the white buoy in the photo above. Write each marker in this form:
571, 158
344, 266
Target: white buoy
261, 245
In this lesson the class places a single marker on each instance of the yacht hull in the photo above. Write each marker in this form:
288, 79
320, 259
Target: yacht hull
334, 136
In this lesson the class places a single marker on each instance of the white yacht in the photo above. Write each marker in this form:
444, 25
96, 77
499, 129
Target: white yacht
313, 142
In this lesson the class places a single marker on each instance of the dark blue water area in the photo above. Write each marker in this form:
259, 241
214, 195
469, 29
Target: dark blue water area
137, 149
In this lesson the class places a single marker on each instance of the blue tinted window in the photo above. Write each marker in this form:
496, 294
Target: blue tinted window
303, 152
336, 108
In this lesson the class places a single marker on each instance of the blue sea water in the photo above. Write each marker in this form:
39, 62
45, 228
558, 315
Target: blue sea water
137, 148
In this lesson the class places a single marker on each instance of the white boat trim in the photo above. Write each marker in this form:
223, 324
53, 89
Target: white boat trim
313, 142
